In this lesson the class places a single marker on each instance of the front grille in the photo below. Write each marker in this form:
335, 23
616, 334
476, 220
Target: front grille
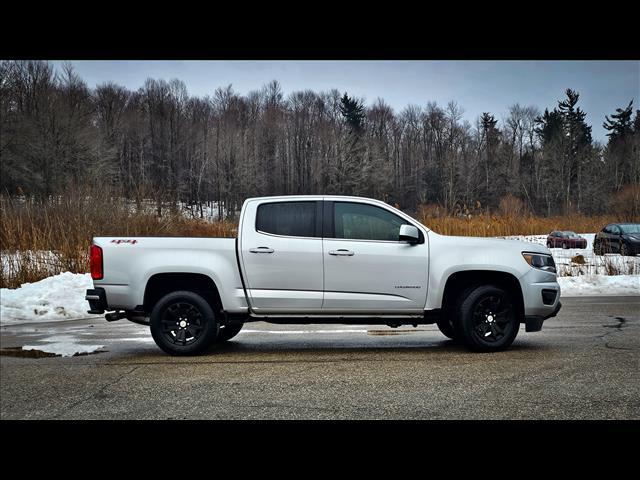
549, 296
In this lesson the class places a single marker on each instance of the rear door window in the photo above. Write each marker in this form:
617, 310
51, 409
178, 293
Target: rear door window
292, 219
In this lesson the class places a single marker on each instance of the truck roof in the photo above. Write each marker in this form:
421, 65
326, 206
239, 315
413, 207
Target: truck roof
316, 197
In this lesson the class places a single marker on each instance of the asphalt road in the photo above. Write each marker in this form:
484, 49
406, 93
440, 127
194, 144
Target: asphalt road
585, 364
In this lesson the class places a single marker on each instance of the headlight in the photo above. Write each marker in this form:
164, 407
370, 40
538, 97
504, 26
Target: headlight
540, 261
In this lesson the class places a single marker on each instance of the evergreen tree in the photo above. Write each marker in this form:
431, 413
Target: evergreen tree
353, 113
574, 121
491, 141
352, 169
621, 154
578, 142
549, 126
619, 124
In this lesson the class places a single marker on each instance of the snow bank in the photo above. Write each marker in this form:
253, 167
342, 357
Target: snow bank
60, 297
599, 285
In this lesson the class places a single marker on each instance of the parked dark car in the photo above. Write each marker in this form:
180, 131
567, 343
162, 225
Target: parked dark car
565, 239
622, 238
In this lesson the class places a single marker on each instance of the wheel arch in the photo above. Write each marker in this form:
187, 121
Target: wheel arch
459, 281
160, 284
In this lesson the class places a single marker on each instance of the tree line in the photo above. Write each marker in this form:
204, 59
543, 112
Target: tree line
160, 143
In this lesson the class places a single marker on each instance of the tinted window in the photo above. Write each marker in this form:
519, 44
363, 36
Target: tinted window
631, 228
358, 221
293, 219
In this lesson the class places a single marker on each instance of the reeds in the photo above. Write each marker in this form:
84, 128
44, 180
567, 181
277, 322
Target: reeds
502, 225
43, 238
38, 239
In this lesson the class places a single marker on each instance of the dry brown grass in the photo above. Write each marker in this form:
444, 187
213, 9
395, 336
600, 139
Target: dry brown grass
38, 240
627, 201
498, 225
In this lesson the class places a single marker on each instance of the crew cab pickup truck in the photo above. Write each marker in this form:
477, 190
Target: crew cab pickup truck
323, 259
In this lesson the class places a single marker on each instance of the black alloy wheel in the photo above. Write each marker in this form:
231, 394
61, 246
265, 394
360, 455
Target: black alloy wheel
183, 323
487, 318
492, 318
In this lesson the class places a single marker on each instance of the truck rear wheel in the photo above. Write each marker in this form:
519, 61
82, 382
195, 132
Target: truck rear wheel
598, 248
183, 323
486, 319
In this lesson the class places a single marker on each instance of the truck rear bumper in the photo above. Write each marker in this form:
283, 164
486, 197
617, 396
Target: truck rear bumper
97, 299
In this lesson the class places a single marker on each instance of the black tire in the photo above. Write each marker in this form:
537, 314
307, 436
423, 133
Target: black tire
548, 244
486, 319
183, 323
227, 332
445, 326
597, 248
624, 251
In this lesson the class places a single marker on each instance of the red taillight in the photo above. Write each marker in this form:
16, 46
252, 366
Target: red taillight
95, 262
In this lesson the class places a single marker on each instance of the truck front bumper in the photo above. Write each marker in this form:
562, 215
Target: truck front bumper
533, 323
541, 296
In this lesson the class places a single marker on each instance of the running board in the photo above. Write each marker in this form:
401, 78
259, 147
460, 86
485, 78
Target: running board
321, 316
391, 320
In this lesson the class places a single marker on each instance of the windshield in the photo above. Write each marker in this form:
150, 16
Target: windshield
631, 228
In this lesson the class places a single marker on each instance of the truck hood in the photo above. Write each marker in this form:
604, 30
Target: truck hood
491, 243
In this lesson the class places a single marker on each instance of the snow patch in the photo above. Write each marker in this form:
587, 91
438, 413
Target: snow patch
599, 285
59, 297
64, 345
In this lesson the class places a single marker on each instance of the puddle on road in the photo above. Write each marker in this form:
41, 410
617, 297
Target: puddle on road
35, 353
394, 332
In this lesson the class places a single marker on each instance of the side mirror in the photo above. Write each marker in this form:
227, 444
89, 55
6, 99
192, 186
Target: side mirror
409, 234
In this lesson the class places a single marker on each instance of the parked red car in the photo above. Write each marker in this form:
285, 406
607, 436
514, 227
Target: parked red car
565, 239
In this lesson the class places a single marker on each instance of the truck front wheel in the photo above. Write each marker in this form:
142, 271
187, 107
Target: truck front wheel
183, 323
445, 326
486, 319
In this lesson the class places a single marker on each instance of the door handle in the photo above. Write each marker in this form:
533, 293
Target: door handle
261, 250
342, 252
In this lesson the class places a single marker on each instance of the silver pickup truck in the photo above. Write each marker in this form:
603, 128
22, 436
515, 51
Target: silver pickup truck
323, 259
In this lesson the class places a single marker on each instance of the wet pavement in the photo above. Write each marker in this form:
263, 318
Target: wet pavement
585, 364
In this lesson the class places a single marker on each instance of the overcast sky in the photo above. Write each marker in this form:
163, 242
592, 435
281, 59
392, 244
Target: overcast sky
477, 86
